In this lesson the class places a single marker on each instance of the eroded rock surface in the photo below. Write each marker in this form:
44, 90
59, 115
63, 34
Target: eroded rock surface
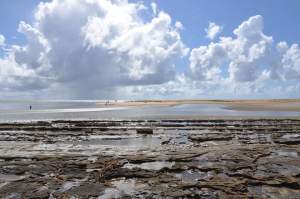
181, 159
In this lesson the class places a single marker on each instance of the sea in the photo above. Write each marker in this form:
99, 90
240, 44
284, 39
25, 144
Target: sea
19, 110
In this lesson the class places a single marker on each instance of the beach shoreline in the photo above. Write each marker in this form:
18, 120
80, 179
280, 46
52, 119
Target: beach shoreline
245, 105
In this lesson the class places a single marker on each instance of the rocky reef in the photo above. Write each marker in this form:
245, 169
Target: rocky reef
249, 158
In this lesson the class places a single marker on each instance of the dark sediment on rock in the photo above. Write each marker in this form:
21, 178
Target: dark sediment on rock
147, 131
176, 159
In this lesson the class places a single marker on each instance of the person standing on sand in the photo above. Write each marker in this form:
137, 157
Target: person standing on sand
30, 107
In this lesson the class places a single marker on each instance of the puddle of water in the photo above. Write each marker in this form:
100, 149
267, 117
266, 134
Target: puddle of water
122, 187
11, 178
110, 193
92, 170
125, 186
190, 176
5, 179
181, 138
96, 146
158, 165
13, 196
142, 141
93, 159
70, 184
290, 136
2, 184
286, 153
112, 137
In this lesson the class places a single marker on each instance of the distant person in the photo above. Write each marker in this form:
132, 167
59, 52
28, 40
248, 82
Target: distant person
30, 107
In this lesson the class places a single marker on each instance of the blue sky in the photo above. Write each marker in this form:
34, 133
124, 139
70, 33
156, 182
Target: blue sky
11, 13
280, 19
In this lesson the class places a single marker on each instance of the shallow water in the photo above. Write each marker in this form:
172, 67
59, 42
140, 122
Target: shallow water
191, 176
138, 142
157, 165
56, 110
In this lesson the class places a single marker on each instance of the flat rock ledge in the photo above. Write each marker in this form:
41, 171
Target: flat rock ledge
257, 158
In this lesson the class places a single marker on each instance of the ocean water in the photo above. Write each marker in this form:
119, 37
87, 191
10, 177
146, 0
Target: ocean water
76, 110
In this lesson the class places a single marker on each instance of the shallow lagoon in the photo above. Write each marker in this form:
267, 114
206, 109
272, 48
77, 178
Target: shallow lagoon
56, 110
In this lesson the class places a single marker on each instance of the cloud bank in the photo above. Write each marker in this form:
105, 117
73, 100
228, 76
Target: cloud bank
109, 48
249, 58
90, 45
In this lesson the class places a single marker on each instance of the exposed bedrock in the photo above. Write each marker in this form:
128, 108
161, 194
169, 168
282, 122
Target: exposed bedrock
151, 159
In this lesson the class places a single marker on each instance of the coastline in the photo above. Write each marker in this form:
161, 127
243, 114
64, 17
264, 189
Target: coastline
117, 159
243, 105
145, 146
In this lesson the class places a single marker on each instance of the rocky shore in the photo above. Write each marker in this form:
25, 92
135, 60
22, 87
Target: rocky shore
249, 158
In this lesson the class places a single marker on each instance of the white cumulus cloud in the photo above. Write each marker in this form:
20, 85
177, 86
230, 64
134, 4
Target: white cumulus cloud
154, 8
2, 40
95, 44
213, 30
92, 45
106, 48
291, 62
248, 57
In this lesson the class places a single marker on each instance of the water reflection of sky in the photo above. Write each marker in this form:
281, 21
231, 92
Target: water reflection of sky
89, 110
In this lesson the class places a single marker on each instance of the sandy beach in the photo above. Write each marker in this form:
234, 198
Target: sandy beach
246, 105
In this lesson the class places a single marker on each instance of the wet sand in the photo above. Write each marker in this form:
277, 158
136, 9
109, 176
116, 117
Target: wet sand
207, 158
245, 105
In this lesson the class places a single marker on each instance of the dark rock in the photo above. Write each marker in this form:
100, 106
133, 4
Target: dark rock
147, 131
257, 158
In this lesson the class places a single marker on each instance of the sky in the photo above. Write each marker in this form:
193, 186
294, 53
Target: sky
118, 49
